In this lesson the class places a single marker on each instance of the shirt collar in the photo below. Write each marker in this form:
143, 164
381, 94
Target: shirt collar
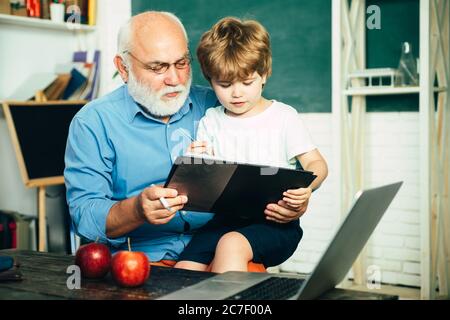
134, 109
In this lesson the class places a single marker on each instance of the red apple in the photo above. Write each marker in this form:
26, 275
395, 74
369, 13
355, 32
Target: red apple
130, 268
94, 260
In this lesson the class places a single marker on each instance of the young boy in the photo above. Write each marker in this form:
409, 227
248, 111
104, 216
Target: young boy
235, 57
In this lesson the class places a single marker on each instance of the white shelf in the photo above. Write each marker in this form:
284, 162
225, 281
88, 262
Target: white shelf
44, 23
377, 91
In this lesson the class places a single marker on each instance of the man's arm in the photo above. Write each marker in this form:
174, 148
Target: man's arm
123, 217
89, 163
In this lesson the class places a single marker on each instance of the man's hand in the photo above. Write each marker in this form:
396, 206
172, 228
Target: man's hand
129, 214
151, 209
293, 206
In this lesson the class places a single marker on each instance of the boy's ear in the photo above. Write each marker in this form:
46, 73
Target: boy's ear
264, 79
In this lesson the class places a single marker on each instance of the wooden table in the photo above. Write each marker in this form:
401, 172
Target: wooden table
45, 277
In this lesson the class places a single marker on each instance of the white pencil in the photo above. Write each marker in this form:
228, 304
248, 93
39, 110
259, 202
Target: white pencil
163, 201
186, 135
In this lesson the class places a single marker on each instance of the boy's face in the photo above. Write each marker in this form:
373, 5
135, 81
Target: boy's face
241, 98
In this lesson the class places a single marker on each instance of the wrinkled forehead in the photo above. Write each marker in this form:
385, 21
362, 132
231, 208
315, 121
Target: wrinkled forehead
165, 42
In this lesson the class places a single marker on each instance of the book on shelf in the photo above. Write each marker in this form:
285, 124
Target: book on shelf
56, 89
92, 57
5, 7
92, 12
75, 11
76, 80
87, 70
45, 9
33, 8
76, 83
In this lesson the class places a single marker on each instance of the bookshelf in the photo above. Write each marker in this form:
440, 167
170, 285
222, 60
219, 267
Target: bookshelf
349, 54
32, 45
44, 24
374, 91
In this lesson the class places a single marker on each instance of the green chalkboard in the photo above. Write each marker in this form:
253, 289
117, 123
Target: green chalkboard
301, 43
399, 23
300, 35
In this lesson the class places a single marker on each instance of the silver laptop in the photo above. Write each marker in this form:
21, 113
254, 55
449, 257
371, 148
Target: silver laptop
365, 213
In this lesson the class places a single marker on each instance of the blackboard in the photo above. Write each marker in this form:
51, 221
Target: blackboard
399, 23
301, 42
39, 134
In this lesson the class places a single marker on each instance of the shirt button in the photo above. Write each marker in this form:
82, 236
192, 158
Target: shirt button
183, 212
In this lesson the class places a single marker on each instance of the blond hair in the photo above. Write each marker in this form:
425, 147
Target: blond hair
234, 49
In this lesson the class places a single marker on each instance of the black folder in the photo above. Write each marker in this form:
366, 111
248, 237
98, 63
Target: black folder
237, 190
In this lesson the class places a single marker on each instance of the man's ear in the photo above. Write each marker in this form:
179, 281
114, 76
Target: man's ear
121, 67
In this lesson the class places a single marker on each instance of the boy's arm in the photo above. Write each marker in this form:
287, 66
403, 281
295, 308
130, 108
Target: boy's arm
313, 161
295, 202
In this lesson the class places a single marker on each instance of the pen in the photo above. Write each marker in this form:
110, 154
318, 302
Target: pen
186, 135
164, 202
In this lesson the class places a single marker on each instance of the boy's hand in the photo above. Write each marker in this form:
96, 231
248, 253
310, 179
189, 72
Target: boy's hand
284, 211
199, 147
297, 197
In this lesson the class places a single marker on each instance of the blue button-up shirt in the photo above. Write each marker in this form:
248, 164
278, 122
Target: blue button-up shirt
115, 150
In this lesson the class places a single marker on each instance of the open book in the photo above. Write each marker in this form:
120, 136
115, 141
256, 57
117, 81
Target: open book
236, 190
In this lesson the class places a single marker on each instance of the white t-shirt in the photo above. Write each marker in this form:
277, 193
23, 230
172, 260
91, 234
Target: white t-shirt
273, 137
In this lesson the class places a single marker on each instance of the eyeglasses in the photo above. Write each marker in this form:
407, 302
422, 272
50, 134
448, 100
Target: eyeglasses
162, 67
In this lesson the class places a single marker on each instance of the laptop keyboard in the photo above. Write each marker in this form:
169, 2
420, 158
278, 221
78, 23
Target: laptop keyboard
273, 288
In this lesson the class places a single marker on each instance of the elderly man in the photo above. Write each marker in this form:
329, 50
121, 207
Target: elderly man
122, 146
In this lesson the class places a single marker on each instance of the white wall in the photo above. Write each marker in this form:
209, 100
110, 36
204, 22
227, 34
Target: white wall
392, 154
24, 50
111, 15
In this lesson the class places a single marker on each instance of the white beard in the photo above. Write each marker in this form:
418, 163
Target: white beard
151, 101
